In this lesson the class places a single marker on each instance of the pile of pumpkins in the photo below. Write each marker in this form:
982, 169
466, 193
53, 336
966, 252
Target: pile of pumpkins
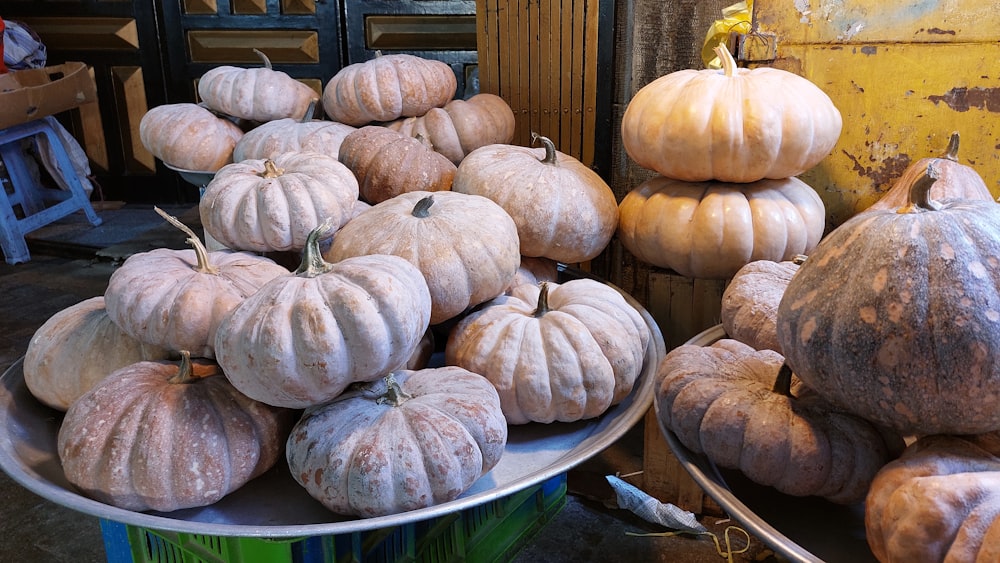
386, 301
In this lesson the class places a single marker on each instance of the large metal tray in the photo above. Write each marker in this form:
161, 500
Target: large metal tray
274, 505
802, 529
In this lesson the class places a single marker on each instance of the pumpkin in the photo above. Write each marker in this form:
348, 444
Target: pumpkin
465, 246
189, 137
256, 94
534, 270
744, 410
956, 180
749, 311
273, 204
563, 210
712, 229
175, 299
301, 339
387, 163
462, 126
895, 316
730, 125
411, 440
939, 501
77, 347
388, 87
270, 139
163, 436
554, 352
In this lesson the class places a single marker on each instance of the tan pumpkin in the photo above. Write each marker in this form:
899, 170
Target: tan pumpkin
77, 347
388, 163
462, 126
534, 270
411, 440
189, 137
940, 501
301, 339
730, 125
256, 94
563, 210
712, 229
744, 410
270, 139
272, 204
749, 311
955, 180
465, 246
388, 87
176, 299
555, 352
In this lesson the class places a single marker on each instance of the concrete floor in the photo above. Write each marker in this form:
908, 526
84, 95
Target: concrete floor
67, 267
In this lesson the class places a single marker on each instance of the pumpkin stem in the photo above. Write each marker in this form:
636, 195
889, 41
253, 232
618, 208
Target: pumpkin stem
550, 148
271, 170
783, 381
919, 197
543, 300
394, 394
313, 263
799, 259
189, 371
951, 153
263, 58
310, 112
727, 60
422, 209
204, 265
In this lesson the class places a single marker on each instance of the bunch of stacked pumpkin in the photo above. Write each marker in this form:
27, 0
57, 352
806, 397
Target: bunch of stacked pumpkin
329, 361
868, 370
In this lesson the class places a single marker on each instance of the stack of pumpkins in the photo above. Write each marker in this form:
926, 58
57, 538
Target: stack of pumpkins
329, 359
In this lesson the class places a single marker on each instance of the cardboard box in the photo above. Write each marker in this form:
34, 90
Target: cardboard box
26, 95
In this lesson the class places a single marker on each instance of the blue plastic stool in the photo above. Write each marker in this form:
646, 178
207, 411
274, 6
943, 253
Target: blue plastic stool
36, 211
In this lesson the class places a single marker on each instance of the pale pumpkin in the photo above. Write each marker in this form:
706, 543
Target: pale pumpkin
939, 501
563, 210
710, 230
175, 299
77, 347
744, 410
749, 311
730, 125
272, 204
534, 270
411, 440
270, 139
894, 316
189, 137
161, 436
466, 246
462, 126
257, 94
301, 339
554, 352
388, 163
388, 87
956, 180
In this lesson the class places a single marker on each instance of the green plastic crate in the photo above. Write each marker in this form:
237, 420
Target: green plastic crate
492, 531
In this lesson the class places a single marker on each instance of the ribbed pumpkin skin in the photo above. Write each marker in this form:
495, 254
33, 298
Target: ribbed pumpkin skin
466, 247
462, 126
364, 458
161, 297
749, 311
896, 317
138, 442
77, 347
388, 163
710, 230
247, 206
718, 400
388, 87
189, 137
301, 340
257, 94
940, 501
572, 362
270, 139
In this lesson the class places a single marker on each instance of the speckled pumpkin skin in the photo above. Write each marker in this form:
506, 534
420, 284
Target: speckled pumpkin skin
896, 317
139, 442
749, 311
360, 457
